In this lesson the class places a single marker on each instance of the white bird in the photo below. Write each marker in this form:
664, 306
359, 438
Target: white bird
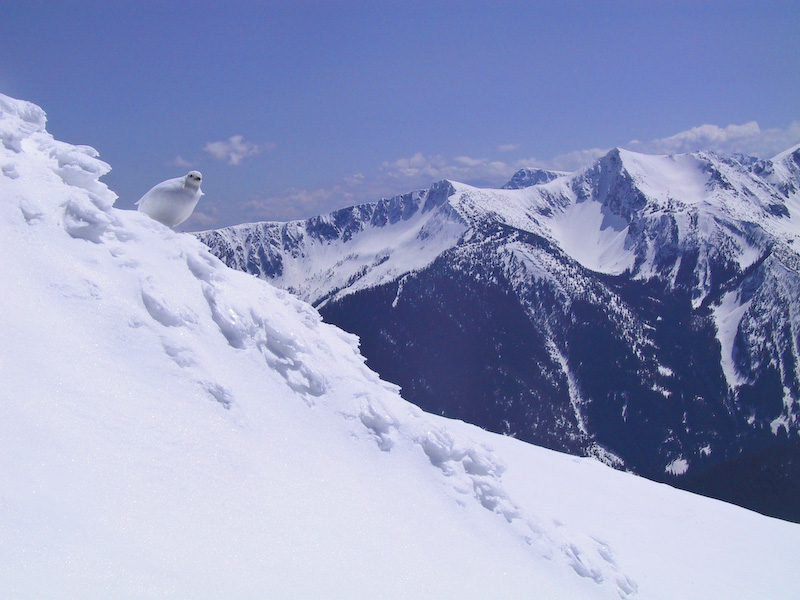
171, 202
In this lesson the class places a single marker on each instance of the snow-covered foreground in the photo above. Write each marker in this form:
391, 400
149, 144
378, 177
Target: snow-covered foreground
171, 428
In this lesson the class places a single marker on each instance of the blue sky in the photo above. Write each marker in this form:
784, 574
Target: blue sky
291, 109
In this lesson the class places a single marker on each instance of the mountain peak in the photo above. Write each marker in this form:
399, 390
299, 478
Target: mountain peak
792, 154
529, 177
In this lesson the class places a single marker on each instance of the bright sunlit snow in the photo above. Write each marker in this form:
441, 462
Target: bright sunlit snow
171, 428
594, 239
728, 315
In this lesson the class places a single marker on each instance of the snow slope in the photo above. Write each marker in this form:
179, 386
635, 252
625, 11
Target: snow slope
171, 428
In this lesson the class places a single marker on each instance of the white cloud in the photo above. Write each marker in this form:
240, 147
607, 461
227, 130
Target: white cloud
420, 170
507, 147
415, 166
569, 161
466, 161
179, 161
201, 219
234, 149
301, 203
748, 138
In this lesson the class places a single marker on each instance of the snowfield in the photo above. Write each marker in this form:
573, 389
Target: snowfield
172, 428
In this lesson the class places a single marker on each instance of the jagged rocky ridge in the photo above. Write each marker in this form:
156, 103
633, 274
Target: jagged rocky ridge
528, 177
645, 310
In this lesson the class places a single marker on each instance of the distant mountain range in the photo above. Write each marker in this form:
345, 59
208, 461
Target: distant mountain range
644, 310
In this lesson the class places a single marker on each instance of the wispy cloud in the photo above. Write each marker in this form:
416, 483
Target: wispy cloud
297, 203
569, 161
507, 147
420, 168
748, 138
202, 219
179, 161
235, 149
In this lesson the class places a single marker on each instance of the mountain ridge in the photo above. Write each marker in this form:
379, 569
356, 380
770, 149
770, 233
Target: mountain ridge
643, 283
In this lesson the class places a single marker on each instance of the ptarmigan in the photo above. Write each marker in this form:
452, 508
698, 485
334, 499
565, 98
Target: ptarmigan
171, 202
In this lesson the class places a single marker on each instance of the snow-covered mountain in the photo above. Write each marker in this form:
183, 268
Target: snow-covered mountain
351, 249
171, 428
645, 310
528, 177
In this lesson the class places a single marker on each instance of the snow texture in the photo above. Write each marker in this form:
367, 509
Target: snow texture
172, 428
